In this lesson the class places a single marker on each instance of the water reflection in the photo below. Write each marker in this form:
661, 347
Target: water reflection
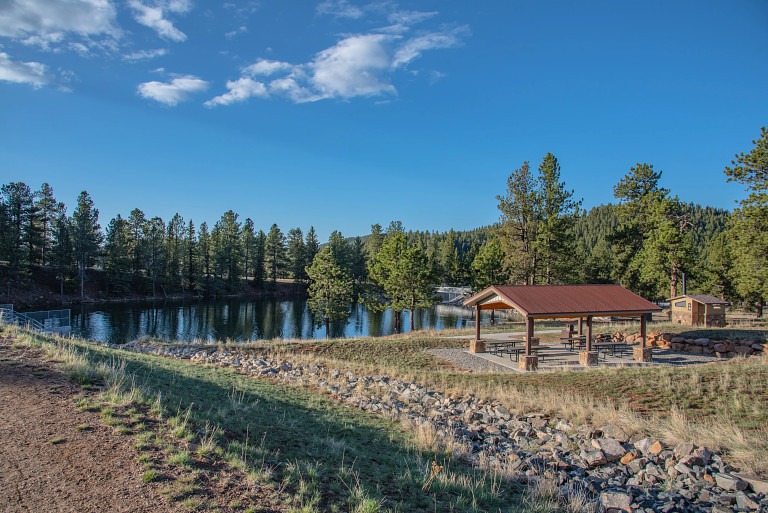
238, 320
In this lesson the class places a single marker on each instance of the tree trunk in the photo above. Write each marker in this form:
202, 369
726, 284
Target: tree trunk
82, 282
327, 327
397, 322
760, 304
493, 317
412, 309
673, 283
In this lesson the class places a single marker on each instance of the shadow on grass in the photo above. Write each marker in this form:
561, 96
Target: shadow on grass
314, 447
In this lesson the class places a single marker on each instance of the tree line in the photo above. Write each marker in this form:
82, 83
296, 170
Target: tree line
648, 241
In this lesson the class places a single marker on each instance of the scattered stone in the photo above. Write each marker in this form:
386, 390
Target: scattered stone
612, 470
730, 482
616, 501
611, 447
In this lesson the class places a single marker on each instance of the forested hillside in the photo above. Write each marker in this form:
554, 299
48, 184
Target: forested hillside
648, 241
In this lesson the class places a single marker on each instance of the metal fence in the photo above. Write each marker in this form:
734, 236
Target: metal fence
48, 321
53, 321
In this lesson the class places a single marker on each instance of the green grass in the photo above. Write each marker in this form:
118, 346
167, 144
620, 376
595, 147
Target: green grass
305, 444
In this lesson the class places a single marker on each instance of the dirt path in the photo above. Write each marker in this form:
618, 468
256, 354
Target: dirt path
55, 457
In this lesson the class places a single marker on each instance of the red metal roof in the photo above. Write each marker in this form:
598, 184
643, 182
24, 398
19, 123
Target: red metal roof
564, 300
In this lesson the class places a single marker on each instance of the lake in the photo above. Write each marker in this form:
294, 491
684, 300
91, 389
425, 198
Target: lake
244, 320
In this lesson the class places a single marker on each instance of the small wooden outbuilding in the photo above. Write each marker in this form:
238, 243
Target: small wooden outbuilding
698, 310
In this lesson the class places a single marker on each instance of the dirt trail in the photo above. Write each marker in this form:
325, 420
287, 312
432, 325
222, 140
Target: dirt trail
56, 457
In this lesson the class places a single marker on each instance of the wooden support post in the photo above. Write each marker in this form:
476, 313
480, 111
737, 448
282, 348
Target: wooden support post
477, 322
643, 353
477, 345
588, 358
581, 326
528, 335
529, 361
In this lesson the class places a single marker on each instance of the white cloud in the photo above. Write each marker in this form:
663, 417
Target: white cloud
33, 73
143, 55
239, 91
267, 67
155, 17
171, 93
413, 48
47, 22
242, 29
353, 67
358, 65
340, 9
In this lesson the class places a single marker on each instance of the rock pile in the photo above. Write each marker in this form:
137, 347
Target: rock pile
618, 473
720, 348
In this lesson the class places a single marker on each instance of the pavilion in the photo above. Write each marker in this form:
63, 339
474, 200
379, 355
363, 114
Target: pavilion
582, 302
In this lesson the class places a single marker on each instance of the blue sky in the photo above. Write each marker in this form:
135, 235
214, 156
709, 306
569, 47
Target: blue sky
340, 114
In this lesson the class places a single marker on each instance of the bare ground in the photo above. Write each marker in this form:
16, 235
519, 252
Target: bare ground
56, 457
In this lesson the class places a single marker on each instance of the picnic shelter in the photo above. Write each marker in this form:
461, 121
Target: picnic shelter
582, 302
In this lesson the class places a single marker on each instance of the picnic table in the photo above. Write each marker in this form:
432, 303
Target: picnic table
512, 347
612, 347
574, 342
499, 347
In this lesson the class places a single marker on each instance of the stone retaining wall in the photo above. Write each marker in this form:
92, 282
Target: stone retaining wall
720, 348
617, 471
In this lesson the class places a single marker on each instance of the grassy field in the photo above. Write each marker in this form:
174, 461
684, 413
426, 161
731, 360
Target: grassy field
313, 454
723, 405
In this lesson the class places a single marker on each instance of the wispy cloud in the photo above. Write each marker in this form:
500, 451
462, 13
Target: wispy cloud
239, 90
359, 65
144, 55
156, 17
46, 23
242, 29
32, 73
179, 89
340, 9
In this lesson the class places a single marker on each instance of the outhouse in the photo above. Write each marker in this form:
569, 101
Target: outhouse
698, 310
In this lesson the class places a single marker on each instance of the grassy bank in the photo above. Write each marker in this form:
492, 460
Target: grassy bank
306, 451
723, 405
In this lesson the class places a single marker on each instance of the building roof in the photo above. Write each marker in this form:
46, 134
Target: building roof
702, 298
555, 301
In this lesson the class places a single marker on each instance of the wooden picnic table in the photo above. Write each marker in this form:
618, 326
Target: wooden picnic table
501, 346
613, 347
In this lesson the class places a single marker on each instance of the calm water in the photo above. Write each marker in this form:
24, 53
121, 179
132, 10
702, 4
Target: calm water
241, 320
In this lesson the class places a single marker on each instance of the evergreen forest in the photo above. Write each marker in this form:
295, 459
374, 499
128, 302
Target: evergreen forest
645, 239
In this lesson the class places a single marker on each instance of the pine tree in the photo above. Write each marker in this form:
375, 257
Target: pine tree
117, 261
330, 290
275, 254
554, 237
749, 232
488, 266
18, 201
204, 246
87, 236
46, 215
640, 199
174, 250
403, 277
62, 246
520, 217
296, 253
311, 245
248, 244
137, 226
191, 259
154, 237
